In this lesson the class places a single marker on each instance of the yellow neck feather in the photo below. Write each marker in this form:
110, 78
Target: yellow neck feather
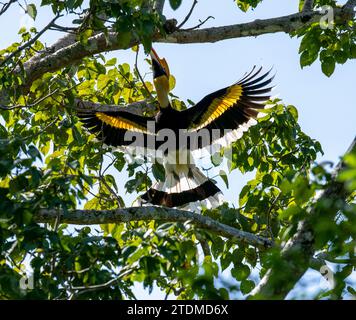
162, 88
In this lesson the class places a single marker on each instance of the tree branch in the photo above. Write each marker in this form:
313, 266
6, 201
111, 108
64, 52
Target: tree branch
350, 5
140, 76
299, 250
195, 2
68, 52
6, 6
63, 42
38, 101
89, 217
35, 68
159, 5
199, 24
139, 107
286, 24
308, 5
30, 42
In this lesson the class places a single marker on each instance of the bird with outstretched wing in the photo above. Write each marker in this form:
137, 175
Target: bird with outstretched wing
220, 117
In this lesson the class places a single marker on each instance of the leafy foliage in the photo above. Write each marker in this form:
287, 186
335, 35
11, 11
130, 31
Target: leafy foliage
332, 44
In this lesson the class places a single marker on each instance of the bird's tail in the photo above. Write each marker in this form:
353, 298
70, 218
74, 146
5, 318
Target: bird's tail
186, 187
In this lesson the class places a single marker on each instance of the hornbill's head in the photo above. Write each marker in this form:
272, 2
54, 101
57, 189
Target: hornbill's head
160, 78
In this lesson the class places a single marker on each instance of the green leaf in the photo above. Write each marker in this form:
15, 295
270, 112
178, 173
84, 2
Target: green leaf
307, 58
293, 111
223, 176
124, 39
242, 5
244, 195
77, 136
175, 4
301, 5
92, 204
353, 51
217, 247
246, 286
340, 57
267, 179
85, 35
34, 153
240, 272
225, 261
31, 10
111, 62
172, 82
119, 161
158, 172
328, 66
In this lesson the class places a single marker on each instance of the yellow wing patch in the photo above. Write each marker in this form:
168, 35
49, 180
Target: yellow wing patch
219, 105
120, 123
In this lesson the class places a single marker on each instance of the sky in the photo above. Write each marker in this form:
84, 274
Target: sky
326, 106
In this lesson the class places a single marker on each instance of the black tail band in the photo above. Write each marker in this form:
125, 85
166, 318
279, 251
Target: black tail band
204, 191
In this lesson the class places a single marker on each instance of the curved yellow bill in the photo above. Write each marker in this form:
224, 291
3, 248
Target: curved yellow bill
162, 61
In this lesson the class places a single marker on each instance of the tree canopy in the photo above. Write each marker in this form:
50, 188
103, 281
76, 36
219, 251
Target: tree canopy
64, 212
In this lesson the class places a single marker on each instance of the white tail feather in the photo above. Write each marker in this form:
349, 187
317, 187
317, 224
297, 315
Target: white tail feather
209, 203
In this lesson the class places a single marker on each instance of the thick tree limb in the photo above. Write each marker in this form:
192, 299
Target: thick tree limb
308, 5
89, 217
67, 54
350, 4
159, 5
61, 43
286, 24
139, 107
299, 250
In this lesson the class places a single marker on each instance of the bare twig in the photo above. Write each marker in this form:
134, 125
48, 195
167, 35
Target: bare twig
97, 286
199, 24
82, 290
139, 75
113, 193
43, 129
57, 27
204, 245
6, 6
325, 256
30, 42
195, 2
19, 106
79, 271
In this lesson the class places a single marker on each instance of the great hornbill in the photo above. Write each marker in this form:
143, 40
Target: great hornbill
232, 108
